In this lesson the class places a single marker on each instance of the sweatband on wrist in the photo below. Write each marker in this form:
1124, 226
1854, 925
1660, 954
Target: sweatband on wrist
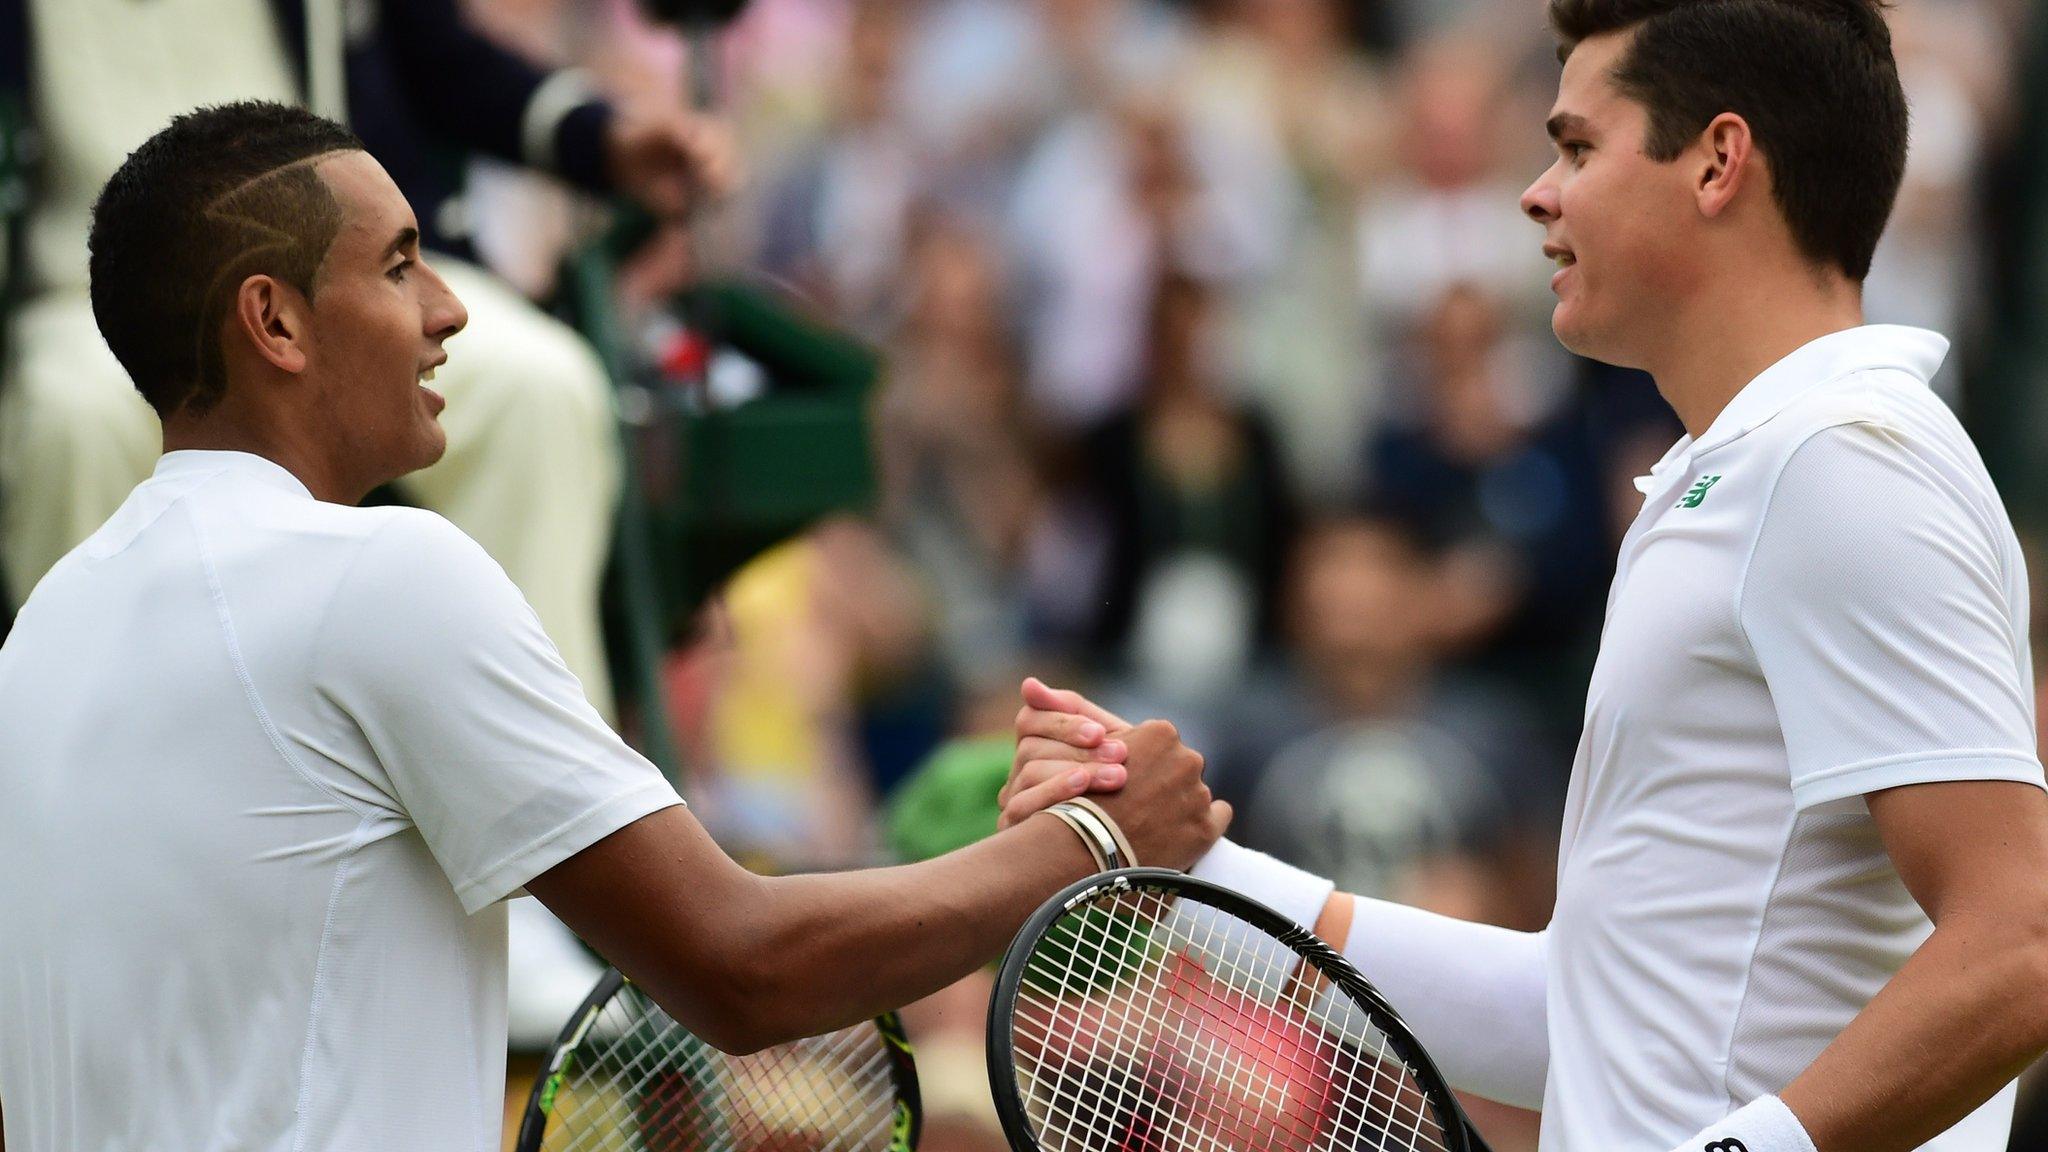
1288, 890
1762, 1125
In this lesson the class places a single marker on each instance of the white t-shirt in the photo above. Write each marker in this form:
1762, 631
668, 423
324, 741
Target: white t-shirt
1821, 598
266, 766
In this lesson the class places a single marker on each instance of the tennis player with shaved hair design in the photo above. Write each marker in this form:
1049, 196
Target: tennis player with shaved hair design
1802, 896
271, 761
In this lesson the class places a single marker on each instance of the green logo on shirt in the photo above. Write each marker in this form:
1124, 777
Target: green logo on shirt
1698, 492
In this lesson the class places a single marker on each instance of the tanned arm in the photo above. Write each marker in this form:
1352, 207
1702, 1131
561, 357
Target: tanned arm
747, 961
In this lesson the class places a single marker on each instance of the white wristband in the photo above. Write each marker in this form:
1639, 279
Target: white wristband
1288, 890
1762, 1125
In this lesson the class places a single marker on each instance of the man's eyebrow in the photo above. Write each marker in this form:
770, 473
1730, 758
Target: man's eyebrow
1565, 122
406, 238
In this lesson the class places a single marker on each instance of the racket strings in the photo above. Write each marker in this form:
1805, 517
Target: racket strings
1146, 1024
1211, 1055
640, 1082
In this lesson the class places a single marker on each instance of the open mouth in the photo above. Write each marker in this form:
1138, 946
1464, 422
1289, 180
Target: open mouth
435, 400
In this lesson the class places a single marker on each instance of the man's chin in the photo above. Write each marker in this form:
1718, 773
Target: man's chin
431, 445
1568, 326
435, 447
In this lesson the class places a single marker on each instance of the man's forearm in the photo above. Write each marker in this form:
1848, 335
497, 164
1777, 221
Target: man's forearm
1964, 1016
746, 961
1474, 994
920, 926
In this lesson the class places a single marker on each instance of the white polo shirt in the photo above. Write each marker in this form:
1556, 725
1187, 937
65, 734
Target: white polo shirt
1822, 597
266, 767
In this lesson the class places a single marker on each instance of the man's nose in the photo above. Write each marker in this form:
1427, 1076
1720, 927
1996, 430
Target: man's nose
1539, 200
445, 314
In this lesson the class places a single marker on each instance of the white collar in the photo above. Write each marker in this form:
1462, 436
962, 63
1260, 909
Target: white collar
1916, 351
197, 461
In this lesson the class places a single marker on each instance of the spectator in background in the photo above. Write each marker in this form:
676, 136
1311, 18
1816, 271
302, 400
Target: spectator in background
1519, 495
960, 489
1400, 775
1448, 215
988, 78
1108, 200
1199, 512
1284, 74
2009, 404
836, 221
772, 693
1928, 268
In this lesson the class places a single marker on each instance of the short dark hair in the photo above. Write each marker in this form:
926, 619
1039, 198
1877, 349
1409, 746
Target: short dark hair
1815, 79
221, 194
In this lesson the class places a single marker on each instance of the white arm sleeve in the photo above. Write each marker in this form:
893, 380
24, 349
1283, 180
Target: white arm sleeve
1472, 993
1891, 627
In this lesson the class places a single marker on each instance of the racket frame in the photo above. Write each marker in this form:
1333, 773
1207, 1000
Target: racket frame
1327, 961
906, 1122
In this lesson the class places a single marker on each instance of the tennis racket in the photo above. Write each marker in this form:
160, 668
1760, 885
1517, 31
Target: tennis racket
1146, 1011
625, 1077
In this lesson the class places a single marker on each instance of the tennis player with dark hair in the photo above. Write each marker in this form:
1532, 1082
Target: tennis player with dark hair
1803, 877
270, 761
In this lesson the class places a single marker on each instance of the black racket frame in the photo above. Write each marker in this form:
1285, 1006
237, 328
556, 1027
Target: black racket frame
906, 1126
1002, 1007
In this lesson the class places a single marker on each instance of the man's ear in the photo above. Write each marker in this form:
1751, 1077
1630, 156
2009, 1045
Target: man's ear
1728, 161
272, 317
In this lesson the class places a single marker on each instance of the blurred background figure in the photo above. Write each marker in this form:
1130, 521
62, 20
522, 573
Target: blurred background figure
1197, 507
1109, 200
837, 219
1399, 774
1287, 74
1488, 449
1449, 213
962, 490
1929, 270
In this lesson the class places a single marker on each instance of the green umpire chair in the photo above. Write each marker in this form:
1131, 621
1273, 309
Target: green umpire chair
710, 485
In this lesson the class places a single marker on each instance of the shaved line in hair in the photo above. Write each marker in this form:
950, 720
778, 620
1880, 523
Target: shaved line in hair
280, 222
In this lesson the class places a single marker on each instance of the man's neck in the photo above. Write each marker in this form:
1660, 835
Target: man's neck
218, 431
1719, 346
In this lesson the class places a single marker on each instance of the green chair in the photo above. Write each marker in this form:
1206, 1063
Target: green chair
709, 487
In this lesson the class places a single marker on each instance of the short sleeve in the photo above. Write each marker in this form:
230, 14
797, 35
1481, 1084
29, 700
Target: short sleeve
1887, 611
483, 737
